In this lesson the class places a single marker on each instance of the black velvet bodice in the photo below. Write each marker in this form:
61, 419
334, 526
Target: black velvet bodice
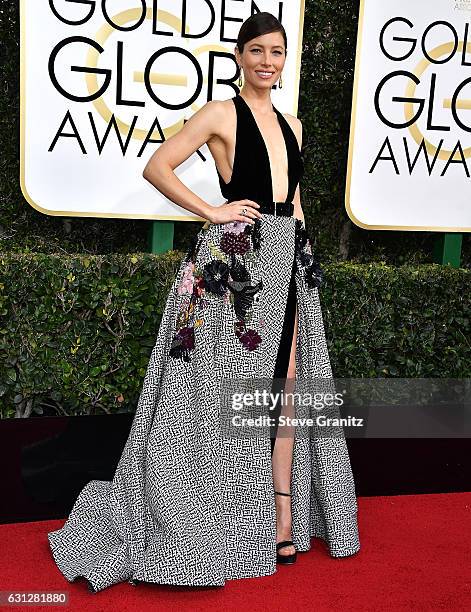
251, 174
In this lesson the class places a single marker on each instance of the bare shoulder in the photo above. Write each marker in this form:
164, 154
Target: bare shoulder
224, 110
296, 125
212, 110
218, 109
216, 114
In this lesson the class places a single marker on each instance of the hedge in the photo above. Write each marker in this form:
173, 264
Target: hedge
76, 331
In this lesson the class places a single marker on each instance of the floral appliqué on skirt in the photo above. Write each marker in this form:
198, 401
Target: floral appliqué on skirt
306, 261
227, 277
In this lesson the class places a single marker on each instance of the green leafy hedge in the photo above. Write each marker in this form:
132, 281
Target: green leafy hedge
76, 332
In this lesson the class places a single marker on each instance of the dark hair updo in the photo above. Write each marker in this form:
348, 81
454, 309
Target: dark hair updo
257, 25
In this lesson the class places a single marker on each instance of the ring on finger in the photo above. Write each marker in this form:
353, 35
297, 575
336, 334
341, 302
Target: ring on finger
244, 211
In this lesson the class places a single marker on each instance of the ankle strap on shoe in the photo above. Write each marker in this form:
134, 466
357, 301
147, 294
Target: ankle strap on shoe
284, 543
287, 494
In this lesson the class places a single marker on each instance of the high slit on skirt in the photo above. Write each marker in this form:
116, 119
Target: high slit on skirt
284, 350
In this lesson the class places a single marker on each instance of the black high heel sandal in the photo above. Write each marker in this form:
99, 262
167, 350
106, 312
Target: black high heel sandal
285, 559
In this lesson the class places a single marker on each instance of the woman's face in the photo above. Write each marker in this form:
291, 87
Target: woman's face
263, 59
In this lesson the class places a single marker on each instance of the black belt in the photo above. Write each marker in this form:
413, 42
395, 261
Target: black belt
279, 209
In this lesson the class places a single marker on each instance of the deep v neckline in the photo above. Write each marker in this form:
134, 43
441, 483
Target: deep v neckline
267, 155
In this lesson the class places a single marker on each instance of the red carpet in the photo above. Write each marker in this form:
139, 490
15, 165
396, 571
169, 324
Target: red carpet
415, 555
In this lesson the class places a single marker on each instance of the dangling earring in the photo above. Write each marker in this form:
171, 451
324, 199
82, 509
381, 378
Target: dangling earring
240, 77
280, 83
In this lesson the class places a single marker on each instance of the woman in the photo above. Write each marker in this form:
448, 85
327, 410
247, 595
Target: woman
192, 502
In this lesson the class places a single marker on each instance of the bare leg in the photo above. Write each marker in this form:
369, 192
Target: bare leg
283, 455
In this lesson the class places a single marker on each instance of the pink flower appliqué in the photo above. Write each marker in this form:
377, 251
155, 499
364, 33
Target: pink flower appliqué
235, 227
186, 284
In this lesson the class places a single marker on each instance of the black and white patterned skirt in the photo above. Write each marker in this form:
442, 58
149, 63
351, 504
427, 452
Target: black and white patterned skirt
189, 505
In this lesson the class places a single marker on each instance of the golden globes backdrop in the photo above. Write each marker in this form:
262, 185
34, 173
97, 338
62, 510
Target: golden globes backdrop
103, 83
410, 141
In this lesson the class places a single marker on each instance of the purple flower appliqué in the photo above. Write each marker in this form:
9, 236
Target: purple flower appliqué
250, 339
183, 342
187, 337
235, 243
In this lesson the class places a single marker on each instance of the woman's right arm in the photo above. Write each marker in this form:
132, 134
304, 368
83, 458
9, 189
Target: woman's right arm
159, 170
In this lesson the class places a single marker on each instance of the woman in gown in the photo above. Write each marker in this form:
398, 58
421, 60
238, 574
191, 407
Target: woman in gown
189, 504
